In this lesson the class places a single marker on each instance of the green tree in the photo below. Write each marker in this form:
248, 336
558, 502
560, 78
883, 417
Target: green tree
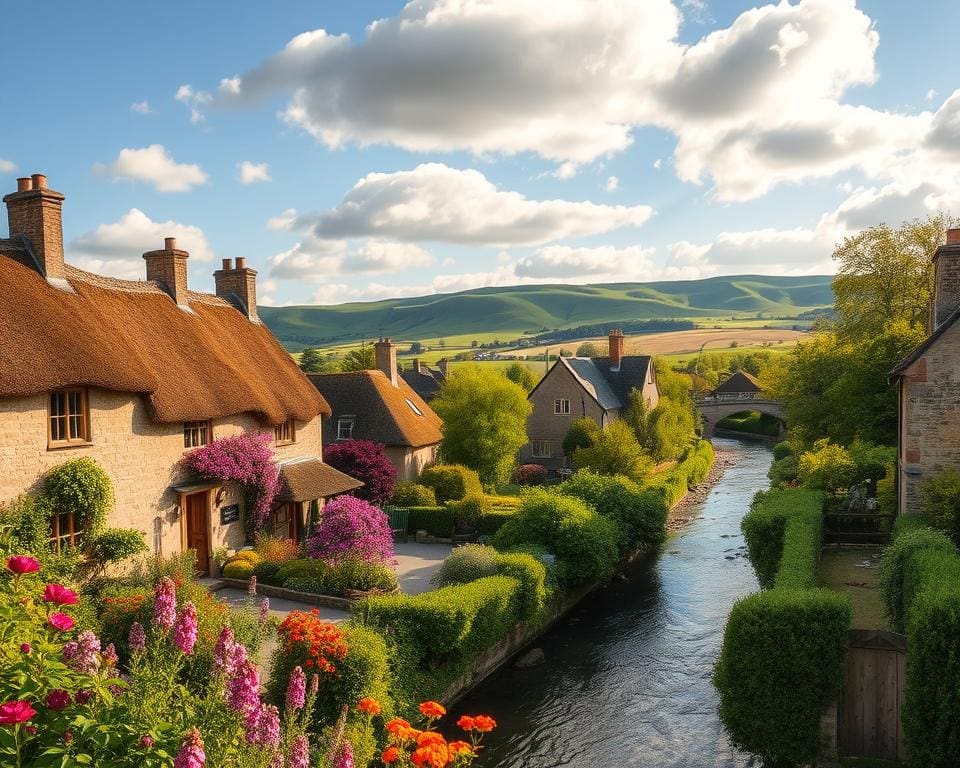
520, 374
484, 421
583, 433
828, 467
615, 452
416, 348
311, 360
637, 416
590, 349
360, 359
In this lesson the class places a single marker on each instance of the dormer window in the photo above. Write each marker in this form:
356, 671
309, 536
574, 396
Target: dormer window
69, 418
196, 433
345, 427
286, 433
413, 407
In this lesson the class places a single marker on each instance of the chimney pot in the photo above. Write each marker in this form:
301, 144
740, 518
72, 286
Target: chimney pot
36, 213
385, 354
416, 364
241, 262
953, 236
39, 181
615, 353
169, 243
227, 265
238, 286
169, 268
23, 184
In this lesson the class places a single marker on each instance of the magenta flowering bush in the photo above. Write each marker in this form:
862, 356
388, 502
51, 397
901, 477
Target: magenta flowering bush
367, 461
244, 459
351, 528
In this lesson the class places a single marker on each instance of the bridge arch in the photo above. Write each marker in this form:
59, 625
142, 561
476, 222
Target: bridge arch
714, 408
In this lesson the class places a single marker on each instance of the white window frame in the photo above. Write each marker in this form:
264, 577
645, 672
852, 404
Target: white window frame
561, 406
413, 407
541, 448
348, 422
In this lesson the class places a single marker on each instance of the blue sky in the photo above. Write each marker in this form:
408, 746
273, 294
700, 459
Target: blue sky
460, 143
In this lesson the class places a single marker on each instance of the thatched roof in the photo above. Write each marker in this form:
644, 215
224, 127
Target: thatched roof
130, 336
740, 382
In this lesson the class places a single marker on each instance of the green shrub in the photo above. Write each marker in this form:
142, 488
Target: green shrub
320, 578
266, 572
692, 469
615, 451
783, 532
451, 482
568, 528
468, 510
246, 555
238, 569
115, 544
503, 502
303, 566
940, 505
310, 584
26, 519
82, 487
465, 564
784, 471
910, 537
583, 433
828, 467
494, 520
408, 494
782, 450
780, 666
532, 575
871, 460
640, 516
437, 521
887, 491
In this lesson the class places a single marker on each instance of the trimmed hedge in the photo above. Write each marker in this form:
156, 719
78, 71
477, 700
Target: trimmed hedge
783, 531
451, 482
780, 667
472, 562
318, 577
408, 494
692, 469
920, 584
583, 540
494, 520
439, 521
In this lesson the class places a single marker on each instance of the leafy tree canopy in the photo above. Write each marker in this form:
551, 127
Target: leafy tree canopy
360, 359
520, 374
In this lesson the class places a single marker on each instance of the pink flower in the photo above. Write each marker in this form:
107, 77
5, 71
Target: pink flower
83, 696
344, 758
21, 564
264, 609
185, 630
109, 656
59, 594
191, 754
83, 654
67, 737
26, 648
61, 621
263, 726
57, 699
146, 741
32, 730
243, 688
137, 639
351, 528
165, 604
299, 753
13, 712
296, 689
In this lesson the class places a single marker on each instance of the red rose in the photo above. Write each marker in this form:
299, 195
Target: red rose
21, 564
14, 712
59, 594
61, 621
58, 699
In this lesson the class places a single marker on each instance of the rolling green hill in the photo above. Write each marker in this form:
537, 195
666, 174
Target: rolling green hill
510, 311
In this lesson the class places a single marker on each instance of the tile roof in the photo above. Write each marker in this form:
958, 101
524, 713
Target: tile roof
426, 383
382, 411
130, 336
309, 478
738, 382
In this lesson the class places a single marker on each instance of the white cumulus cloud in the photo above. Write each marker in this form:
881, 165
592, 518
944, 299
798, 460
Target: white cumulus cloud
154, 165
141, 107
314, 259
7, 166
252, 173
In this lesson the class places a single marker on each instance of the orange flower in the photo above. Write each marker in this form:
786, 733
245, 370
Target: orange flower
457, 748
369, 705
400, 729
430, 756
466, 723
390, 755
427, 738
484, 723
432, 709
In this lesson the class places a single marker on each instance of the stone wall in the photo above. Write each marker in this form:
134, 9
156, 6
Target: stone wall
930, 417
140, 456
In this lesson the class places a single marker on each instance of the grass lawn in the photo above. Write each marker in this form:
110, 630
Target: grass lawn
854, 571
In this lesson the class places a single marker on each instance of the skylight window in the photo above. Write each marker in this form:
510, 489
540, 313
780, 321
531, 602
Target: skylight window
414, 407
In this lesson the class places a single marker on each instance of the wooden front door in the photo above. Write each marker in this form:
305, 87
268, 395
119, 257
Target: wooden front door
197, 525
284, 521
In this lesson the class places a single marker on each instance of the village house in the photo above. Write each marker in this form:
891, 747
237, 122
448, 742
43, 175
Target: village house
379, 405
134, 374
928, 441
423, 379
576, 387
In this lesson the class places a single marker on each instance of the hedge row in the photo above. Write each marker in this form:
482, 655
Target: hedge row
783, 531
692, 469
317, 577
781, 662
439, 521
920, 585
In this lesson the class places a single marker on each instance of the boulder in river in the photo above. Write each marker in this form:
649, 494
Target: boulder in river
532, 658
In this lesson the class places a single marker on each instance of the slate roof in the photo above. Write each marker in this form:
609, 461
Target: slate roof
381, 410
609, 386
592, 379
737, 383
130, 336
426, 383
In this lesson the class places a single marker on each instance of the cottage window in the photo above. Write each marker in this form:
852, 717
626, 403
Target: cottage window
542, 449
345, 427
413, 407
561, 407
196, 433
69, 418
286, 433
64, 532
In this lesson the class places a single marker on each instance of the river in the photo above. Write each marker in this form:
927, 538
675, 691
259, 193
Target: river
626, 680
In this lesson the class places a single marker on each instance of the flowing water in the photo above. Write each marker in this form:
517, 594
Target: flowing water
627, 675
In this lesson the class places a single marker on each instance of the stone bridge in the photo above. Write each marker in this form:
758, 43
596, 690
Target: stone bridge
713, 408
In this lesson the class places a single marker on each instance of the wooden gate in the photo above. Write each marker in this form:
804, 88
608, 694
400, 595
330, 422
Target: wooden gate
868, 719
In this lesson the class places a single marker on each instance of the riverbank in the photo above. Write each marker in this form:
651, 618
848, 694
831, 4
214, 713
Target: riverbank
686, 510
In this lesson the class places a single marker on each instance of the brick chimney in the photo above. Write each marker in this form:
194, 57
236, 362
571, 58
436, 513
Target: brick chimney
443, 367
946, 280
35, 212
238, 285
616, 347
169, 268
416, 364
386, 356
